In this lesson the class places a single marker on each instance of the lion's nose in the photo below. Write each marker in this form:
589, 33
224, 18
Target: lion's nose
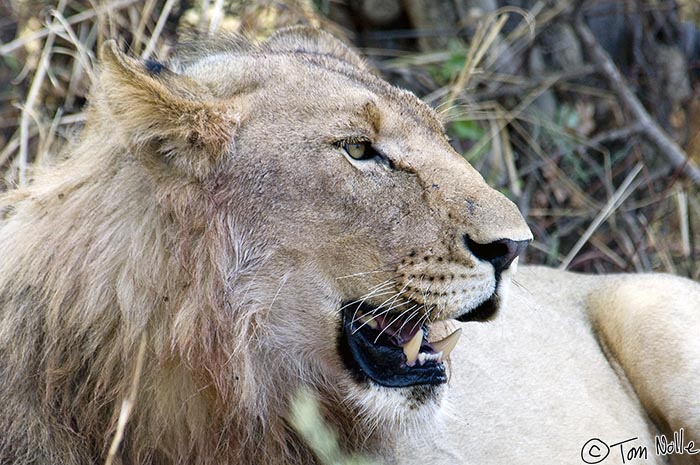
500, 253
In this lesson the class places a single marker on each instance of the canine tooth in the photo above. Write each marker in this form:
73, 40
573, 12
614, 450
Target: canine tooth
412, 347
369, 321
446, 345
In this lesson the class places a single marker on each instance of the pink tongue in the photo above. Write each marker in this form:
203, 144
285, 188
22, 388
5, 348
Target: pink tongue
401, 331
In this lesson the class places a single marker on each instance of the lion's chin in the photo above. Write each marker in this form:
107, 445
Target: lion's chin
391, 351
486, 311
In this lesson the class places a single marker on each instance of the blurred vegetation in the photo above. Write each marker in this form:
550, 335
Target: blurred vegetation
307, 420
522, 97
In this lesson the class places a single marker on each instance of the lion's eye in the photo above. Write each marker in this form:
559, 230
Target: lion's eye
358, 151
364, 151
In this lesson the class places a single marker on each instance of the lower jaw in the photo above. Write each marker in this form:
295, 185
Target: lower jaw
383, 364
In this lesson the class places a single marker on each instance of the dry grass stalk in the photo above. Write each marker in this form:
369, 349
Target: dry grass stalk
75, 19
32, 98
150, 47
128, 403
486, 34
613, 204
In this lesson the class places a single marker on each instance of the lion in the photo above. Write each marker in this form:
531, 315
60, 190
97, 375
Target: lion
253, 220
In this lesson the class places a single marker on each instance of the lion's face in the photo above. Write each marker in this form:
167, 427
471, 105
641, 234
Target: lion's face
373, 227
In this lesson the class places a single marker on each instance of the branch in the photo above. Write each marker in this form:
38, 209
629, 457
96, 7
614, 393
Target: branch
672, 151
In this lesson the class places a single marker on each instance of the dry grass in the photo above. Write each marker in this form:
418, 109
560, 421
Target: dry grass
597, 200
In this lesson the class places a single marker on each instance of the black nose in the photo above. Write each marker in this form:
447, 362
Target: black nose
500, 253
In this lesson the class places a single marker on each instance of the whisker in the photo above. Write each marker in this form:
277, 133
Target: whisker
379, 292
420, 320
391, 300
392, 303
425, 319
400, 315
386, 282
364, 273
377, 315
381, 286
374, 313
519, 284
403, 289
441, 307
386, 291
414, 313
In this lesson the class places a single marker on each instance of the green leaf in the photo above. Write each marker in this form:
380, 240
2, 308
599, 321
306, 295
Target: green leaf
466, 129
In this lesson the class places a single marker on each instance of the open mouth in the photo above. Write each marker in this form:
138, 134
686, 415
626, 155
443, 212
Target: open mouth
394, 351
391, 351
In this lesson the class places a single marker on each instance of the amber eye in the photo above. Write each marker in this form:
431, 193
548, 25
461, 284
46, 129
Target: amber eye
358, 150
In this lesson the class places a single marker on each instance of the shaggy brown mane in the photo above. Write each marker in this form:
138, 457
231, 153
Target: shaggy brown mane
103, 252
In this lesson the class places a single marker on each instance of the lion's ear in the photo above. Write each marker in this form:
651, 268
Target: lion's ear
306, 39
166, 114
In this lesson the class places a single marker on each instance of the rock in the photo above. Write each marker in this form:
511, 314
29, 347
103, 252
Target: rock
561, 48
435, 20
672, 74
381, 12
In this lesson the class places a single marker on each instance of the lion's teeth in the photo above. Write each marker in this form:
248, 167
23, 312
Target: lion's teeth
369, 321
446, 345
423, 357
412, 347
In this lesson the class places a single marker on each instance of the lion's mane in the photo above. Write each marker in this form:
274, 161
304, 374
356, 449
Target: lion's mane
101, 255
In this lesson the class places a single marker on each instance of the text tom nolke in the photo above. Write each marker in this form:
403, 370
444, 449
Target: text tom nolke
675, 446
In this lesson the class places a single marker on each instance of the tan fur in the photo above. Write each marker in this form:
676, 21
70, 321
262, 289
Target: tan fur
211, 208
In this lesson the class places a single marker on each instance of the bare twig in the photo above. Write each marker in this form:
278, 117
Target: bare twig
151, 46
682, 199
83, 57
509, 117
509, 159
11, 147
613, 204
600, 139
217, 16
651, 129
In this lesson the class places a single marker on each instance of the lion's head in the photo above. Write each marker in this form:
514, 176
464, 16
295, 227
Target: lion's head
272, 217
